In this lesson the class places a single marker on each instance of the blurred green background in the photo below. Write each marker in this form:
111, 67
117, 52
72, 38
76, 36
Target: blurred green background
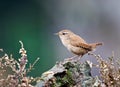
35, 22
27, 21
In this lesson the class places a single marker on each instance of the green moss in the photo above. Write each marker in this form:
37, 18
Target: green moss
63, 79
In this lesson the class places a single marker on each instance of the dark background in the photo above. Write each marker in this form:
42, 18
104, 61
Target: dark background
35, 22
26, 20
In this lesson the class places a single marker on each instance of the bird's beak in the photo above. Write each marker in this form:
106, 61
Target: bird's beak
56, 33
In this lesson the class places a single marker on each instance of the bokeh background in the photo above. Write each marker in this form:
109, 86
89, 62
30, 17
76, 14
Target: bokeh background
35, 22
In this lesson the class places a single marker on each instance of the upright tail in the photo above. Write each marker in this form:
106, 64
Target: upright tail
94, 45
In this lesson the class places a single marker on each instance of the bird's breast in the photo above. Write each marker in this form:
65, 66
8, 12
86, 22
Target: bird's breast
65, 42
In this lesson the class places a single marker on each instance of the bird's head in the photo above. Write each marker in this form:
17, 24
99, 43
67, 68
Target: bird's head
64, 34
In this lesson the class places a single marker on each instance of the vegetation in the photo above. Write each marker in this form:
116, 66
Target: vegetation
13, 73
67, 73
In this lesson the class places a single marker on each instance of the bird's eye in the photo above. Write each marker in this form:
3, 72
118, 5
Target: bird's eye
64, 33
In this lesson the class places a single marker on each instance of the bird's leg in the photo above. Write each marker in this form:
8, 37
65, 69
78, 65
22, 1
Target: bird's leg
74, 58
71, 58
77, 58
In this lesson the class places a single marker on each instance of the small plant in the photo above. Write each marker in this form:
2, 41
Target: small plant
13, 73
109, 71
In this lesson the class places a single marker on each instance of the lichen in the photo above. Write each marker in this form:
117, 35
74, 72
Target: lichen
74, 74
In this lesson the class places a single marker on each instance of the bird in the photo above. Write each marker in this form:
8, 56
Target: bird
76, 44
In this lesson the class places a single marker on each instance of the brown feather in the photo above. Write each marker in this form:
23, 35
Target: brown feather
75, 43
79, 42
94, 45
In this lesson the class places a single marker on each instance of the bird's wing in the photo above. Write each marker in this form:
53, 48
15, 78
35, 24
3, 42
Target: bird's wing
79, 42
77, 38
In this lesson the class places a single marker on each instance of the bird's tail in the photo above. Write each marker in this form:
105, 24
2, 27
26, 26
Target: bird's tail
94, 45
